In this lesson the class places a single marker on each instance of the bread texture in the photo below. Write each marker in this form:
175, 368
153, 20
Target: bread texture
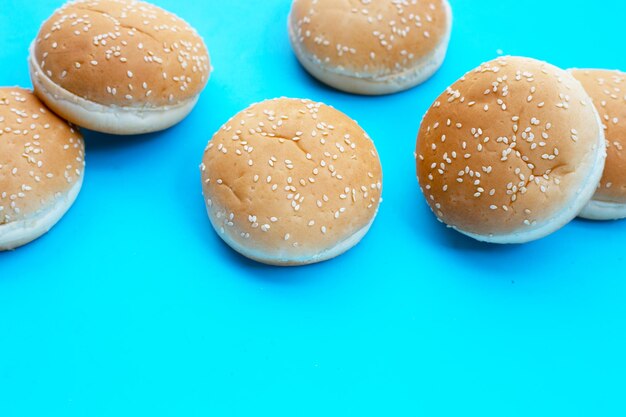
608, 91
377, 47
41, 167
118, 57
511, 152
291, 182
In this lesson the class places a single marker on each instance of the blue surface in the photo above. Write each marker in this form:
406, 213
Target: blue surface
133, 306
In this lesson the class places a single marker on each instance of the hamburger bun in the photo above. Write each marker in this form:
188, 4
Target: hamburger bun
511, 152
608, 91
41, 167
370, 48
291, 182
118, 66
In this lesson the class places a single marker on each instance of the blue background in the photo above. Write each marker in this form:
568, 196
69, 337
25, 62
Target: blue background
133, 306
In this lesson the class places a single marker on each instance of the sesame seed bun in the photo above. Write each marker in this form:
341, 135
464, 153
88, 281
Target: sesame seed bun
373, 48
511, 152
608, 91
291, 182
41, 167
118, 66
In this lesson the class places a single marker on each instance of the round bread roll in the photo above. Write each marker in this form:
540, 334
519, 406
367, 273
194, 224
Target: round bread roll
41, 167
370, 47
118, 66
608, 91
511, 152
291, 182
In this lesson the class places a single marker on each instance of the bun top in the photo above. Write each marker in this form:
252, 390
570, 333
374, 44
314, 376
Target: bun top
385, 37
122, 52
41, 156
291, 178
608, 91
507, 147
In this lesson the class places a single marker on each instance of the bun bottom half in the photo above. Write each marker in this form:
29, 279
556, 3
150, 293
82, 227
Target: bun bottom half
116, 120
22, 232
266, 258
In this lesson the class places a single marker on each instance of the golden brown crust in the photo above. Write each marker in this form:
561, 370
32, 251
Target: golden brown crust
507, 147
608, 91
122, 52
291, 178
41, 156
384, 37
